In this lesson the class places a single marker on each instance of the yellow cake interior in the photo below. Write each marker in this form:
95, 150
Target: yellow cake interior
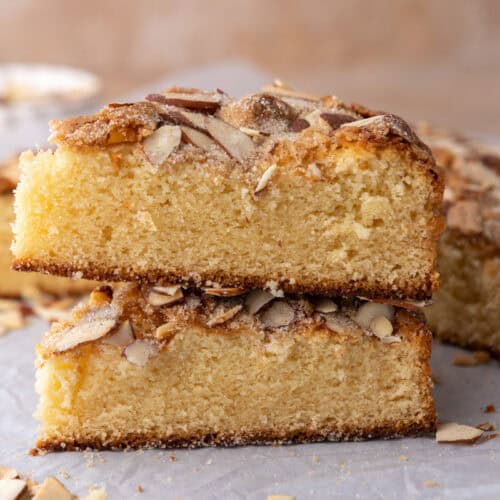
364, 223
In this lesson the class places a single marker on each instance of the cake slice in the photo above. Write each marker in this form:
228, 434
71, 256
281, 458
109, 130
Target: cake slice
165, 367
466, 309
276, 190
15, 284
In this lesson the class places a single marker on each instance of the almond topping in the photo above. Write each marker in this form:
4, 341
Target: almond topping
123, 336
280, 313
167, 289
391, 339
370, 310
166, 331
233, 141
218, 319
288, 92
199, 139
8, 472
381, 327
256, 300
158, 298
52, 489
12, 489
324, 305
252, 132
140, 351
224, 292
93, 326
199, 102
456, 433
266, 176
340, 323
11, 320
412, 305
299, 124
335, 120
161, 143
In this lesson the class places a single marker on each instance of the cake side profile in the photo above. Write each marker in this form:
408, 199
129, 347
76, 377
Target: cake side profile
165, 367
466, 308
12, 283
276, 190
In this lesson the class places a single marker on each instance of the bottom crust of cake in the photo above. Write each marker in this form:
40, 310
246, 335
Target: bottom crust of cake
165, 376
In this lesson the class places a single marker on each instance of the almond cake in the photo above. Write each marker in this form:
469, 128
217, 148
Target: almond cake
164, 366
466, 308
14, 284
279, 189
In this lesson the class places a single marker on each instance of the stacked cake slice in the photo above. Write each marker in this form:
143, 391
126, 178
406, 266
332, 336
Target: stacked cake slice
278, 248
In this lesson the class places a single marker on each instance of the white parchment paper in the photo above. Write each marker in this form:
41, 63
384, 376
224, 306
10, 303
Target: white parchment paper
330, 470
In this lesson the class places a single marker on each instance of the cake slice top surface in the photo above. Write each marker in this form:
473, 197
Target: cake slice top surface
472, 177
155, 315
182, 123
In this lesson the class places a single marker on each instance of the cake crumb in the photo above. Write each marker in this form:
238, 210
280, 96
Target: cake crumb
487, 426
172, 458
431, 484
477, 358
64, 474
403, 458
140, 489
490, 409
315, 459
292, 453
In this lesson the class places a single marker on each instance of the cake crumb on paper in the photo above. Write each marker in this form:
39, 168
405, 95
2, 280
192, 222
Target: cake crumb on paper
431, 484
490, 409
476, 358
140, 489
403, 458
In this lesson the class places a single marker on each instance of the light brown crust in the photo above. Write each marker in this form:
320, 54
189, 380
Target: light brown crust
414, 291
9, 174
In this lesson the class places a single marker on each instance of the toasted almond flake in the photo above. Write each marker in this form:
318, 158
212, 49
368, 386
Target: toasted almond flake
280, 313
218, 319
252, 132
140, 351
91, 327
324, 305
167, 290
160, 299
392, 339
288, 92
487, 426
58, 310
456, 433
381, 327
342, 324
166, 331
266, 176
199, 102
199, 139
11, 319
256, 300
412, 305
12, 489
8, 472
313, 171
477, 358
52, 489
224, 292
335, 120
233, 141
370, 310
161, 143
122, 337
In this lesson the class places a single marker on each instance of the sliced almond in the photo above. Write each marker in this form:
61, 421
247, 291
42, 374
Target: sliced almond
288, 92
199, 139
266, 177
158, 299
199, 102
123, 336
93, 326
256, 300
167, 330
140, 351
299, 124
218, 319
335, 120
370, 310
340, 323
412, 305
52, 489
8, 472
161, 143
391, 339
325, 305
381, 327
233, 141
456, 433
224, 292
167, 290
13, 489
280, 313
252, 132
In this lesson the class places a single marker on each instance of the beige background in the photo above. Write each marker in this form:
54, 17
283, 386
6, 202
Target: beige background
437, 59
